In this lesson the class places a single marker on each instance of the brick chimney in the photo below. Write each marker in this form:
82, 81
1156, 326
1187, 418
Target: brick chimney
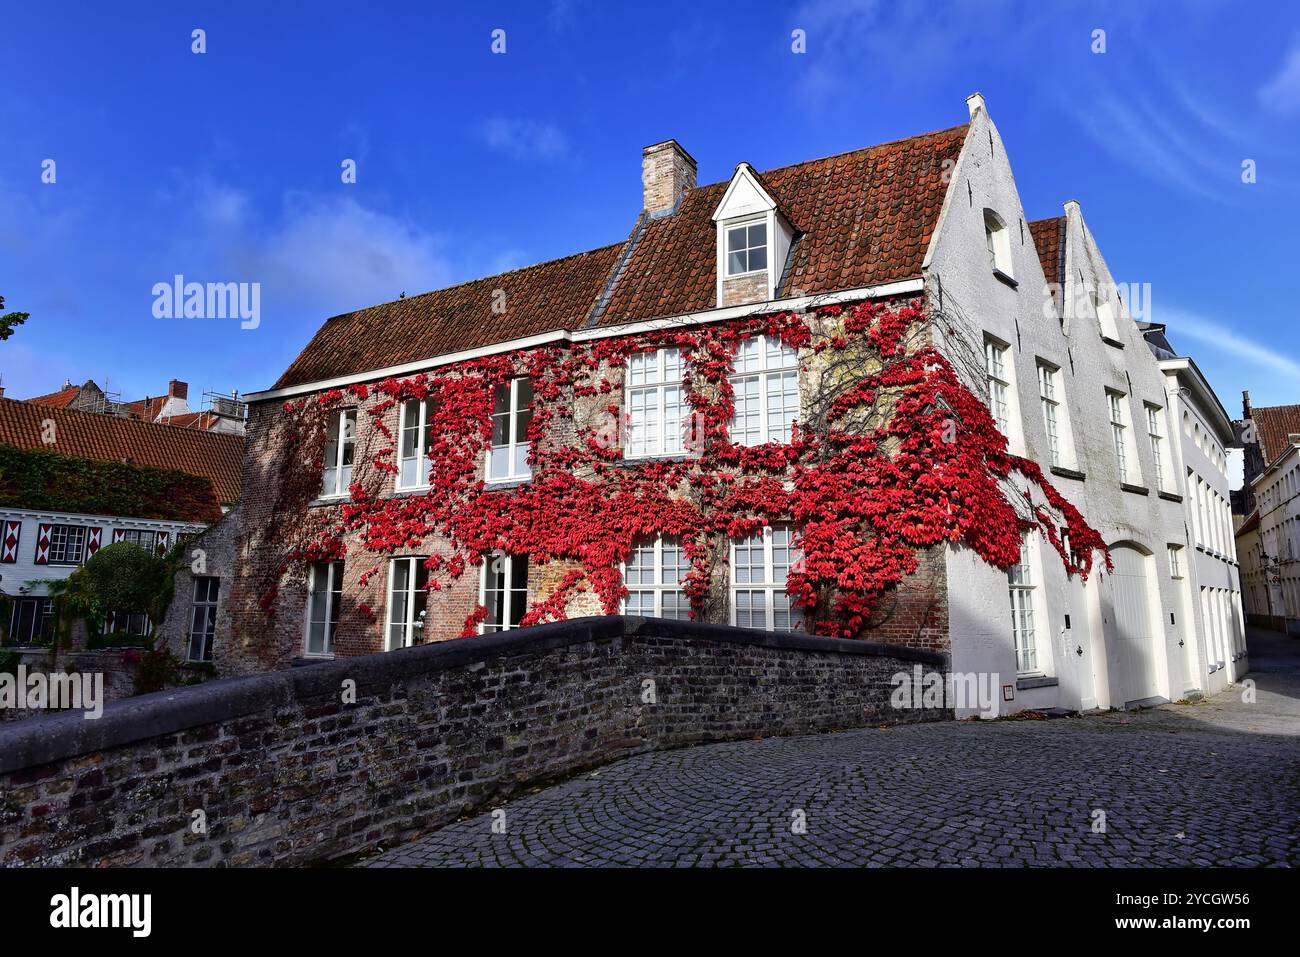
667, 173
176, 389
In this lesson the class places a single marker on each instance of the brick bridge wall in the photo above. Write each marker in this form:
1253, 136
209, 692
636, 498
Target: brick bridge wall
286, 773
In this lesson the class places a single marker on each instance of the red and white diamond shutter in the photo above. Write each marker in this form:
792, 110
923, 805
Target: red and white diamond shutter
13, 532
93, 537
118, 535
164, 542
43, 544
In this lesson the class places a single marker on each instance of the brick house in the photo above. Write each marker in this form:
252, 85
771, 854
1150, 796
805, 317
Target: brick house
933, 220
73, 482
1269, 538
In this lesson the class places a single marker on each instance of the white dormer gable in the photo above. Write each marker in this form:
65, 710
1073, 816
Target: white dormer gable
753, 241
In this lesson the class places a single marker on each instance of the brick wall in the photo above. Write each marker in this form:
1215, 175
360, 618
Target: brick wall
286, 773
211, 554
117, 665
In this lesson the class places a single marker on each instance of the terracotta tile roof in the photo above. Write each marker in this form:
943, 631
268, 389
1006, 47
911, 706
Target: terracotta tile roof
553, 295
215, 456
58, 400
1273, 423
865, 218
146, 408
1049, 239
191, 420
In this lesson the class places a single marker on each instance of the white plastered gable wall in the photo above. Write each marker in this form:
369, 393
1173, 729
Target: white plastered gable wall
746, 201
960, 282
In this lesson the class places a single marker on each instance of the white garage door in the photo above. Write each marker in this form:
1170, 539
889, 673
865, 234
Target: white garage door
1132, 628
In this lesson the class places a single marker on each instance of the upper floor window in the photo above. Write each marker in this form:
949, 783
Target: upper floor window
1125, 456
746, 248
1159, 448
1056, 418
1101, 304
504, 591
760, 567
766, 391
511, 412
653, 574
340, 445
998, 241
998, 369
324, 599
408, 597
145, 539
67, 544
655, 403
416, 430
203, 617
1175, 561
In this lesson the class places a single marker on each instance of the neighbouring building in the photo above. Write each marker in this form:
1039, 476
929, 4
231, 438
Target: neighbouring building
73, 482
1269, 540
220, 413
1208, 572
721, 331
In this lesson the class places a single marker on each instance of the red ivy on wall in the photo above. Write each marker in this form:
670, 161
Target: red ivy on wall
892, 455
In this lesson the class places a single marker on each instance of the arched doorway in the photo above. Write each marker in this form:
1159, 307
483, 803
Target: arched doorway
1133, 628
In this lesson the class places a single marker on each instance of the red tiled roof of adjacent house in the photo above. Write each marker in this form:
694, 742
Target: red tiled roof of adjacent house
146, 408
1273, 425
216, 456
1049, 239
58, 400
862, 218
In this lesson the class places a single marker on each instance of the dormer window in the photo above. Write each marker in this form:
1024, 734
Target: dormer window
747, 248
998, 241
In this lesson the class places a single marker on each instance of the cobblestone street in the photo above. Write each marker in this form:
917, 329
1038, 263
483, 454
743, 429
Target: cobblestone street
1211, 783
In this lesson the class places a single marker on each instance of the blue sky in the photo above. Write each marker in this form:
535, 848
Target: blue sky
225, 166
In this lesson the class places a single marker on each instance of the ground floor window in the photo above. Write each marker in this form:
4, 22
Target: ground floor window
203, 617
1020, 582
408, 597
760, 565
504, 591
324, 598
653, 574
131, 624
31, 621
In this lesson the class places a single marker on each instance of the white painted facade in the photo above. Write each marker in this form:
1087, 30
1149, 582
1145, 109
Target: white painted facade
1271, 554
1210, 580
1109, 642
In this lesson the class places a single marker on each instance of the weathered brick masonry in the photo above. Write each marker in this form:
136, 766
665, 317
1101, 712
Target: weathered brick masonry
287, 774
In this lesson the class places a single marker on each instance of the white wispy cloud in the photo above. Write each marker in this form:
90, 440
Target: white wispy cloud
1263, 356
524, 138
1281, 94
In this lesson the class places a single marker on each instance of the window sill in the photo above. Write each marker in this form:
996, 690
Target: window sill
1135, 489
327, 500
1005, 278
665, 457
1036, 681
1112, 342
1063, 472
409, 492
1170, 496
745, 275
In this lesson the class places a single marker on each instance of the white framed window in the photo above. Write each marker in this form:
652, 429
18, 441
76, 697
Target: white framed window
1055, 416
415, 430
1105, 311
408, 598
512, 410
1125, 459
67, 544
997, 367
340, 446
765, 384
760, 566
1175, 561
746, 248
503, 591
203, 617
324, 599
656, 403
998, 241
1020, 583
145, 539
134, 624
653, 575
1156, 433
